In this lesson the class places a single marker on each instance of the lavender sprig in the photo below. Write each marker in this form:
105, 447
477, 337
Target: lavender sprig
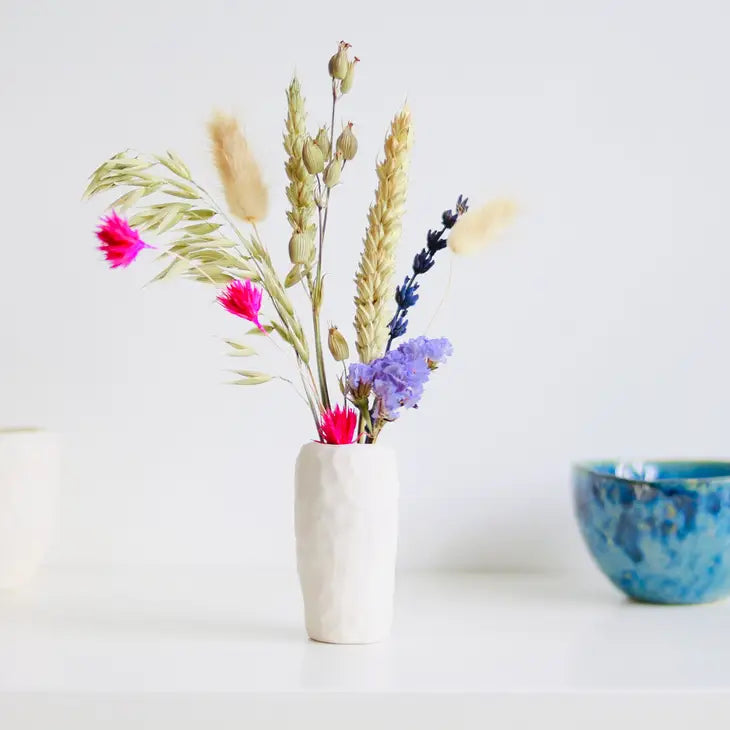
406, 294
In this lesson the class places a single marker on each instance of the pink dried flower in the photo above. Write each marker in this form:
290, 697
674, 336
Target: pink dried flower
120, 243
243, 300
338, 426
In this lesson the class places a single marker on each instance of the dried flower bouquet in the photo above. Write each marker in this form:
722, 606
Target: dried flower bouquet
204, 243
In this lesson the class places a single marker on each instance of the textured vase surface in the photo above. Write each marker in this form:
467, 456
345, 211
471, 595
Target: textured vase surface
28, 502
346, 520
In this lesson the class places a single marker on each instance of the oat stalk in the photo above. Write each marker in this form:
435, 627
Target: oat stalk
191, 217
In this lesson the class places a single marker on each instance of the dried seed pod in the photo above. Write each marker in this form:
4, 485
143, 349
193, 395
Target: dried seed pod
333, 170
339, 63
347, 82
338, 345
320, 199
323, 142
347, 143
300, 248
317, 293
313, 157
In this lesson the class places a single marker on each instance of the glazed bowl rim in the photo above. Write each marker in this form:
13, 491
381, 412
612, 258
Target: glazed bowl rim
589, 467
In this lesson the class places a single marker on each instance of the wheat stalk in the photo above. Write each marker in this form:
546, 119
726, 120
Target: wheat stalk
374, 278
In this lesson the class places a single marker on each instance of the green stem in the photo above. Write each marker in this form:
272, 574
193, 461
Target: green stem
368, 426
316, 306
364, 422
310, 401
316, 288
294, 387
320, 361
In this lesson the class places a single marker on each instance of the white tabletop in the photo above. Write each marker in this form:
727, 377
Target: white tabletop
227, 633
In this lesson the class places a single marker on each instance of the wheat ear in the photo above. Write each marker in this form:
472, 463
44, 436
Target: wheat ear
374, 278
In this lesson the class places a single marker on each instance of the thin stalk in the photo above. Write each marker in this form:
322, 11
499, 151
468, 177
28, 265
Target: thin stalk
444, 297
243, 242
332, 121
307, 285
294, 387
409, 282
316, 306
314, 387
312, 408
344, 383
332, 156
320, 360
316, 286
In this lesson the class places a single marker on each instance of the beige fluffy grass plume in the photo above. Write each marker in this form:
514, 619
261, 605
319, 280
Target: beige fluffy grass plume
246, 194
374, 278
480, 226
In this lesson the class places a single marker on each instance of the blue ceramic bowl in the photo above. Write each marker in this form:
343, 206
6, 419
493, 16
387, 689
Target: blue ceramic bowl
659, 530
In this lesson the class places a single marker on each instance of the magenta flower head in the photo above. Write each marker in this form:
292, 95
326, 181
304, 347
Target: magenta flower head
338, 426
243, 300
120, 243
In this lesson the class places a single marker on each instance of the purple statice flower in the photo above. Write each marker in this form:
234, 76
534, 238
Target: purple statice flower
397, 379
432, 351
359, 375
360, 383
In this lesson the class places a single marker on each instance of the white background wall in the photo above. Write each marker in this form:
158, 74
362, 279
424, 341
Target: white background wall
598, 328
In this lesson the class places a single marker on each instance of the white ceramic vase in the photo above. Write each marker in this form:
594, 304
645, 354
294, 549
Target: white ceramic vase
28, 502
346, 519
